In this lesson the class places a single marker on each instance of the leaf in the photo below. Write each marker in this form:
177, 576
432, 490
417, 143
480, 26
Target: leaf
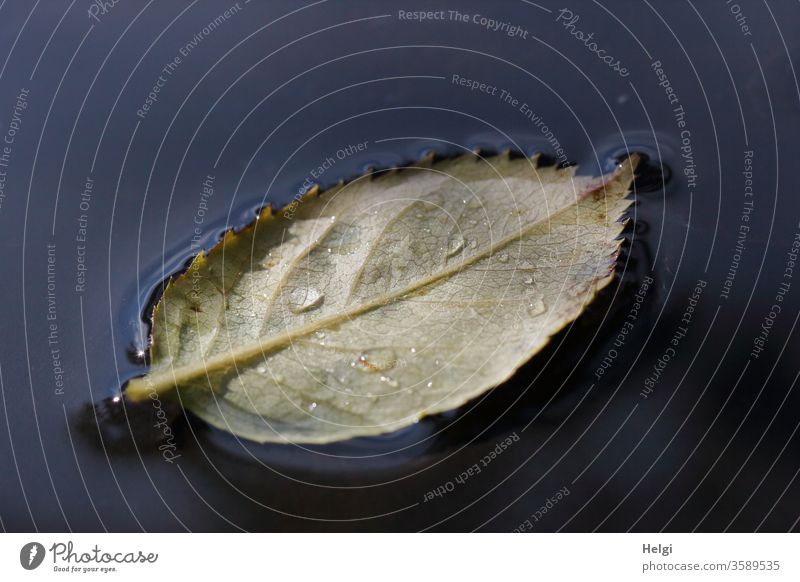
359, 311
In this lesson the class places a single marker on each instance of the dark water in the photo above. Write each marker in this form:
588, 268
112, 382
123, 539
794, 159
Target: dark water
266, 93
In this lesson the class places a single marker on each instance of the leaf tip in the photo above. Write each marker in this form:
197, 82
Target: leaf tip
632, 161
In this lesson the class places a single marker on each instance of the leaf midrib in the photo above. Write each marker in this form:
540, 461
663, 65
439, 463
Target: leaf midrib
164, 381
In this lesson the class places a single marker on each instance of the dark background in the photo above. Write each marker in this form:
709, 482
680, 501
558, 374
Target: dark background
264, 98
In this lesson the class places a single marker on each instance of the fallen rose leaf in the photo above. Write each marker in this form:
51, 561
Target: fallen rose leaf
361, 310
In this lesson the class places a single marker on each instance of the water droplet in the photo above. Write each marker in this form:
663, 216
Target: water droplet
436, 362
376, 360
278, 378
413, 350
347, 403
390, 381
261, 369
418, 215
329, 249
503, 258
528, 279
536, 308
304, 299
312, 406
430, 384
455, 245
320, 334
333, 219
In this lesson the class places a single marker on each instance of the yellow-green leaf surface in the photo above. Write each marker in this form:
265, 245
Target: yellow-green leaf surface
362, 309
